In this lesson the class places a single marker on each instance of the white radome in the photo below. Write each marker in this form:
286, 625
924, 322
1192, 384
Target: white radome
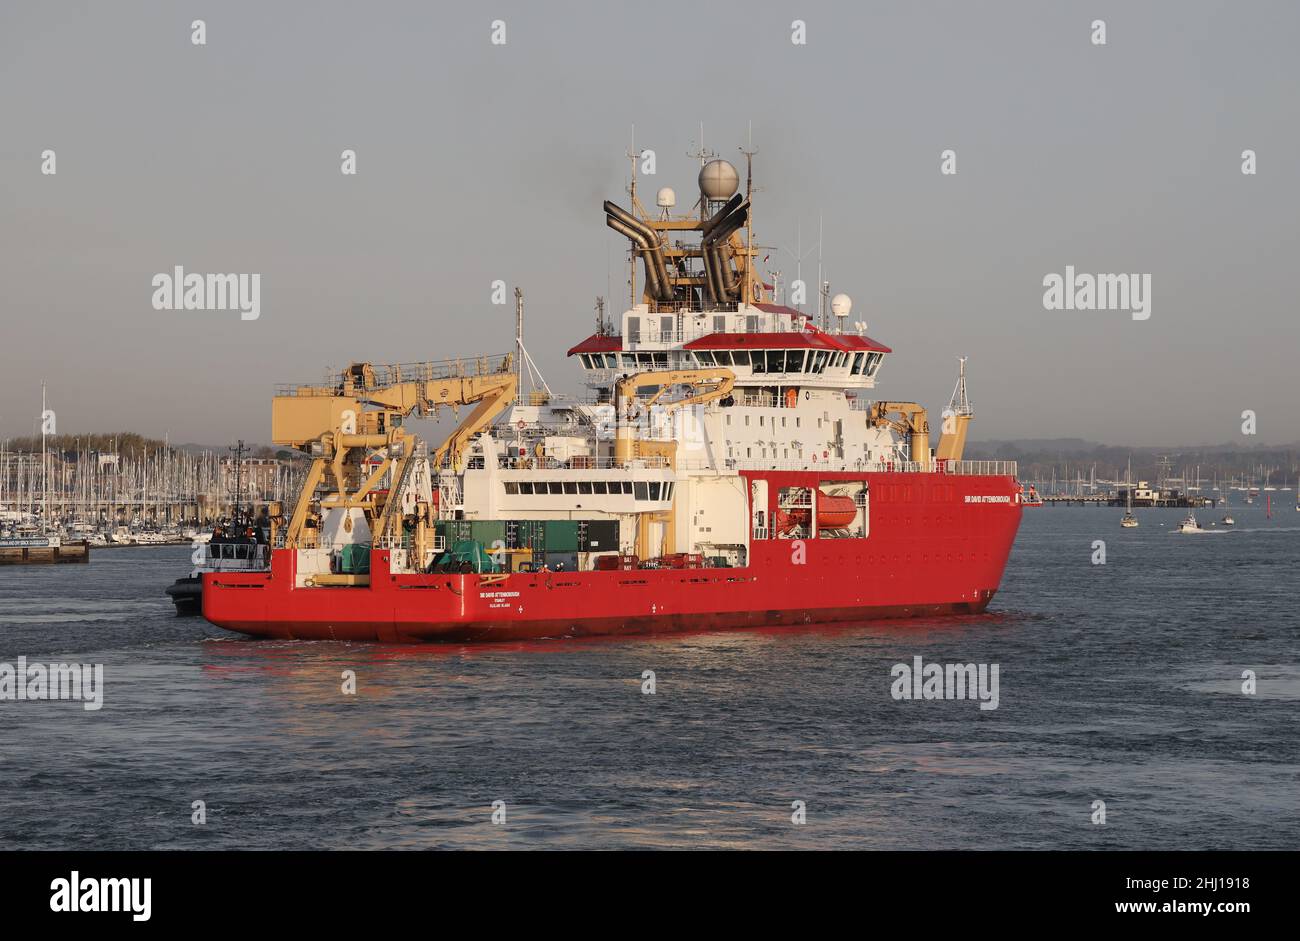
666, 198
719, 179
841, 304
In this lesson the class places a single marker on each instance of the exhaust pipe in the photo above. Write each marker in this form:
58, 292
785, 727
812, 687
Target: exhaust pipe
723, 284
651, 252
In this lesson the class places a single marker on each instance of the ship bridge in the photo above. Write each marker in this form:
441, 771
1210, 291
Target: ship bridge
761, 343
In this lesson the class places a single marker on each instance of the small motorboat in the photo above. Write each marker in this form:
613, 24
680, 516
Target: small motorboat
1228, 520
1190, 525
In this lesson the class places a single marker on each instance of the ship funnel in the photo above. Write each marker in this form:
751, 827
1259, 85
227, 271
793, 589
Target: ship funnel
723, 283
647, 242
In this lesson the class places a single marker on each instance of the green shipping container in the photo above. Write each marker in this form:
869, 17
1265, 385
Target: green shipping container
561, 536
354, 559
488, 532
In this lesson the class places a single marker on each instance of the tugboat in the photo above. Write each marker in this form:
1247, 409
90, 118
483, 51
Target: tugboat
238, 545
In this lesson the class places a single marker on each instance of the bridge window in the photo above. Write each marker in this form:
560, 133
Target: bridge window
759, 362
794, 361
570, 486
640, 490
584, 486
857, 363
525, 486
654, 490
512, 488
599, 486
776, 360
555, 487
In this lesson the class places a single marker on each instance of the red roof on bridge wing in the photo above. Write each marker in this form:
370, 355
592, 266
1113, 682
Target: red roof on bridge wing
598, 343
852, 341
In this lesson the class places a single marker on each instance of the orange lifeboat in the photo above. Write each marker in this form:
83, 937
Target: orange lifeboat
833, 512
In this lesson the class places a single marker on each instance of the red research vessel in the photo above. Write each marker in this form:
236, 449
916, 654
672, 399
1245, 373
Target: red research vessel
729, 468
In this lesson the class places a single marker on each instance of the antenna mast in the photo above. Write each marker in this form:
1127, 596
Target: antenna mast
747, 293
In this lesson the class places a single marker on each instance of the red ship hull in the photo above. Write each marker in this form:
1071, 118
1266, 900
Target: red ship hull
938, 544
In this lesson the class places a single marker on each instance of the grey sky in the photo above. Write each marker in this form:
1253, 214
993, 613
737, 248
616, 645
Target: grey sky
479, 162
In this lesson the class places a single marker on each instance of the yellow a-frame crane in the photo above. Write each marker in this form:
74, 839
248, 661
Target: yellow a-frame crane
363, 412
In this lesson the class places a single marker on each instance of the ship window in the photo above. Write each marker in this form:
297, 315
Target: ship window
751, 323
740, 357
629, 360
654, 490
586, 360
665, 328
746, 421
661, 360
796, 421
627, 487
776, 360
526, 487
634, 329
512, 488
611, 361
584, 486
719, 324
643, 359
555, 486
759, 362
600, 486
570, 486
705, 358
640, 490
668, 491
857, 363
760, 421
794, 361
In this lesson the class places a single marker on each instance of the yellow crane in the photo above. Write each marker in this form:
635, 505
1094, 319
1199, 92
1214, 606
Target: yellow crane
912, 421
363, 412
709, 385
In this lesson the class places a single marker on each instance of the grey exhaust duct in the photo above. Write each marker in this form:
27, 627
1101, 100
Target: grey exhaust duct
641, 235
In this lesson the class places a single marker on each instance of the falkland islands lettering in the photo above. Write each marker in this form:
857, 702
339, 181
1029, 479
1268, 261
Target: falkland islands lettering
1131, 292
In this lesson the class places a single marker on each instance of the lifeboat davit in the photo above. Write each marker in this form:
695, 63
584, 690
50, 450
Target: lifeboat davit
833, 512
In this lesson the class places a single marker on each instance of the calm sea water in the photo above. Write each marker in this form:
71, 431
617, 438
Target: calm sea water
1118, 682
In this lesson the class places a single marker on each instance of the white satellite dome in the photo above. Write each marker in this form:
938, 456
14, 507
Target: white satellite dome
841, 304
719, 180
666, 198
